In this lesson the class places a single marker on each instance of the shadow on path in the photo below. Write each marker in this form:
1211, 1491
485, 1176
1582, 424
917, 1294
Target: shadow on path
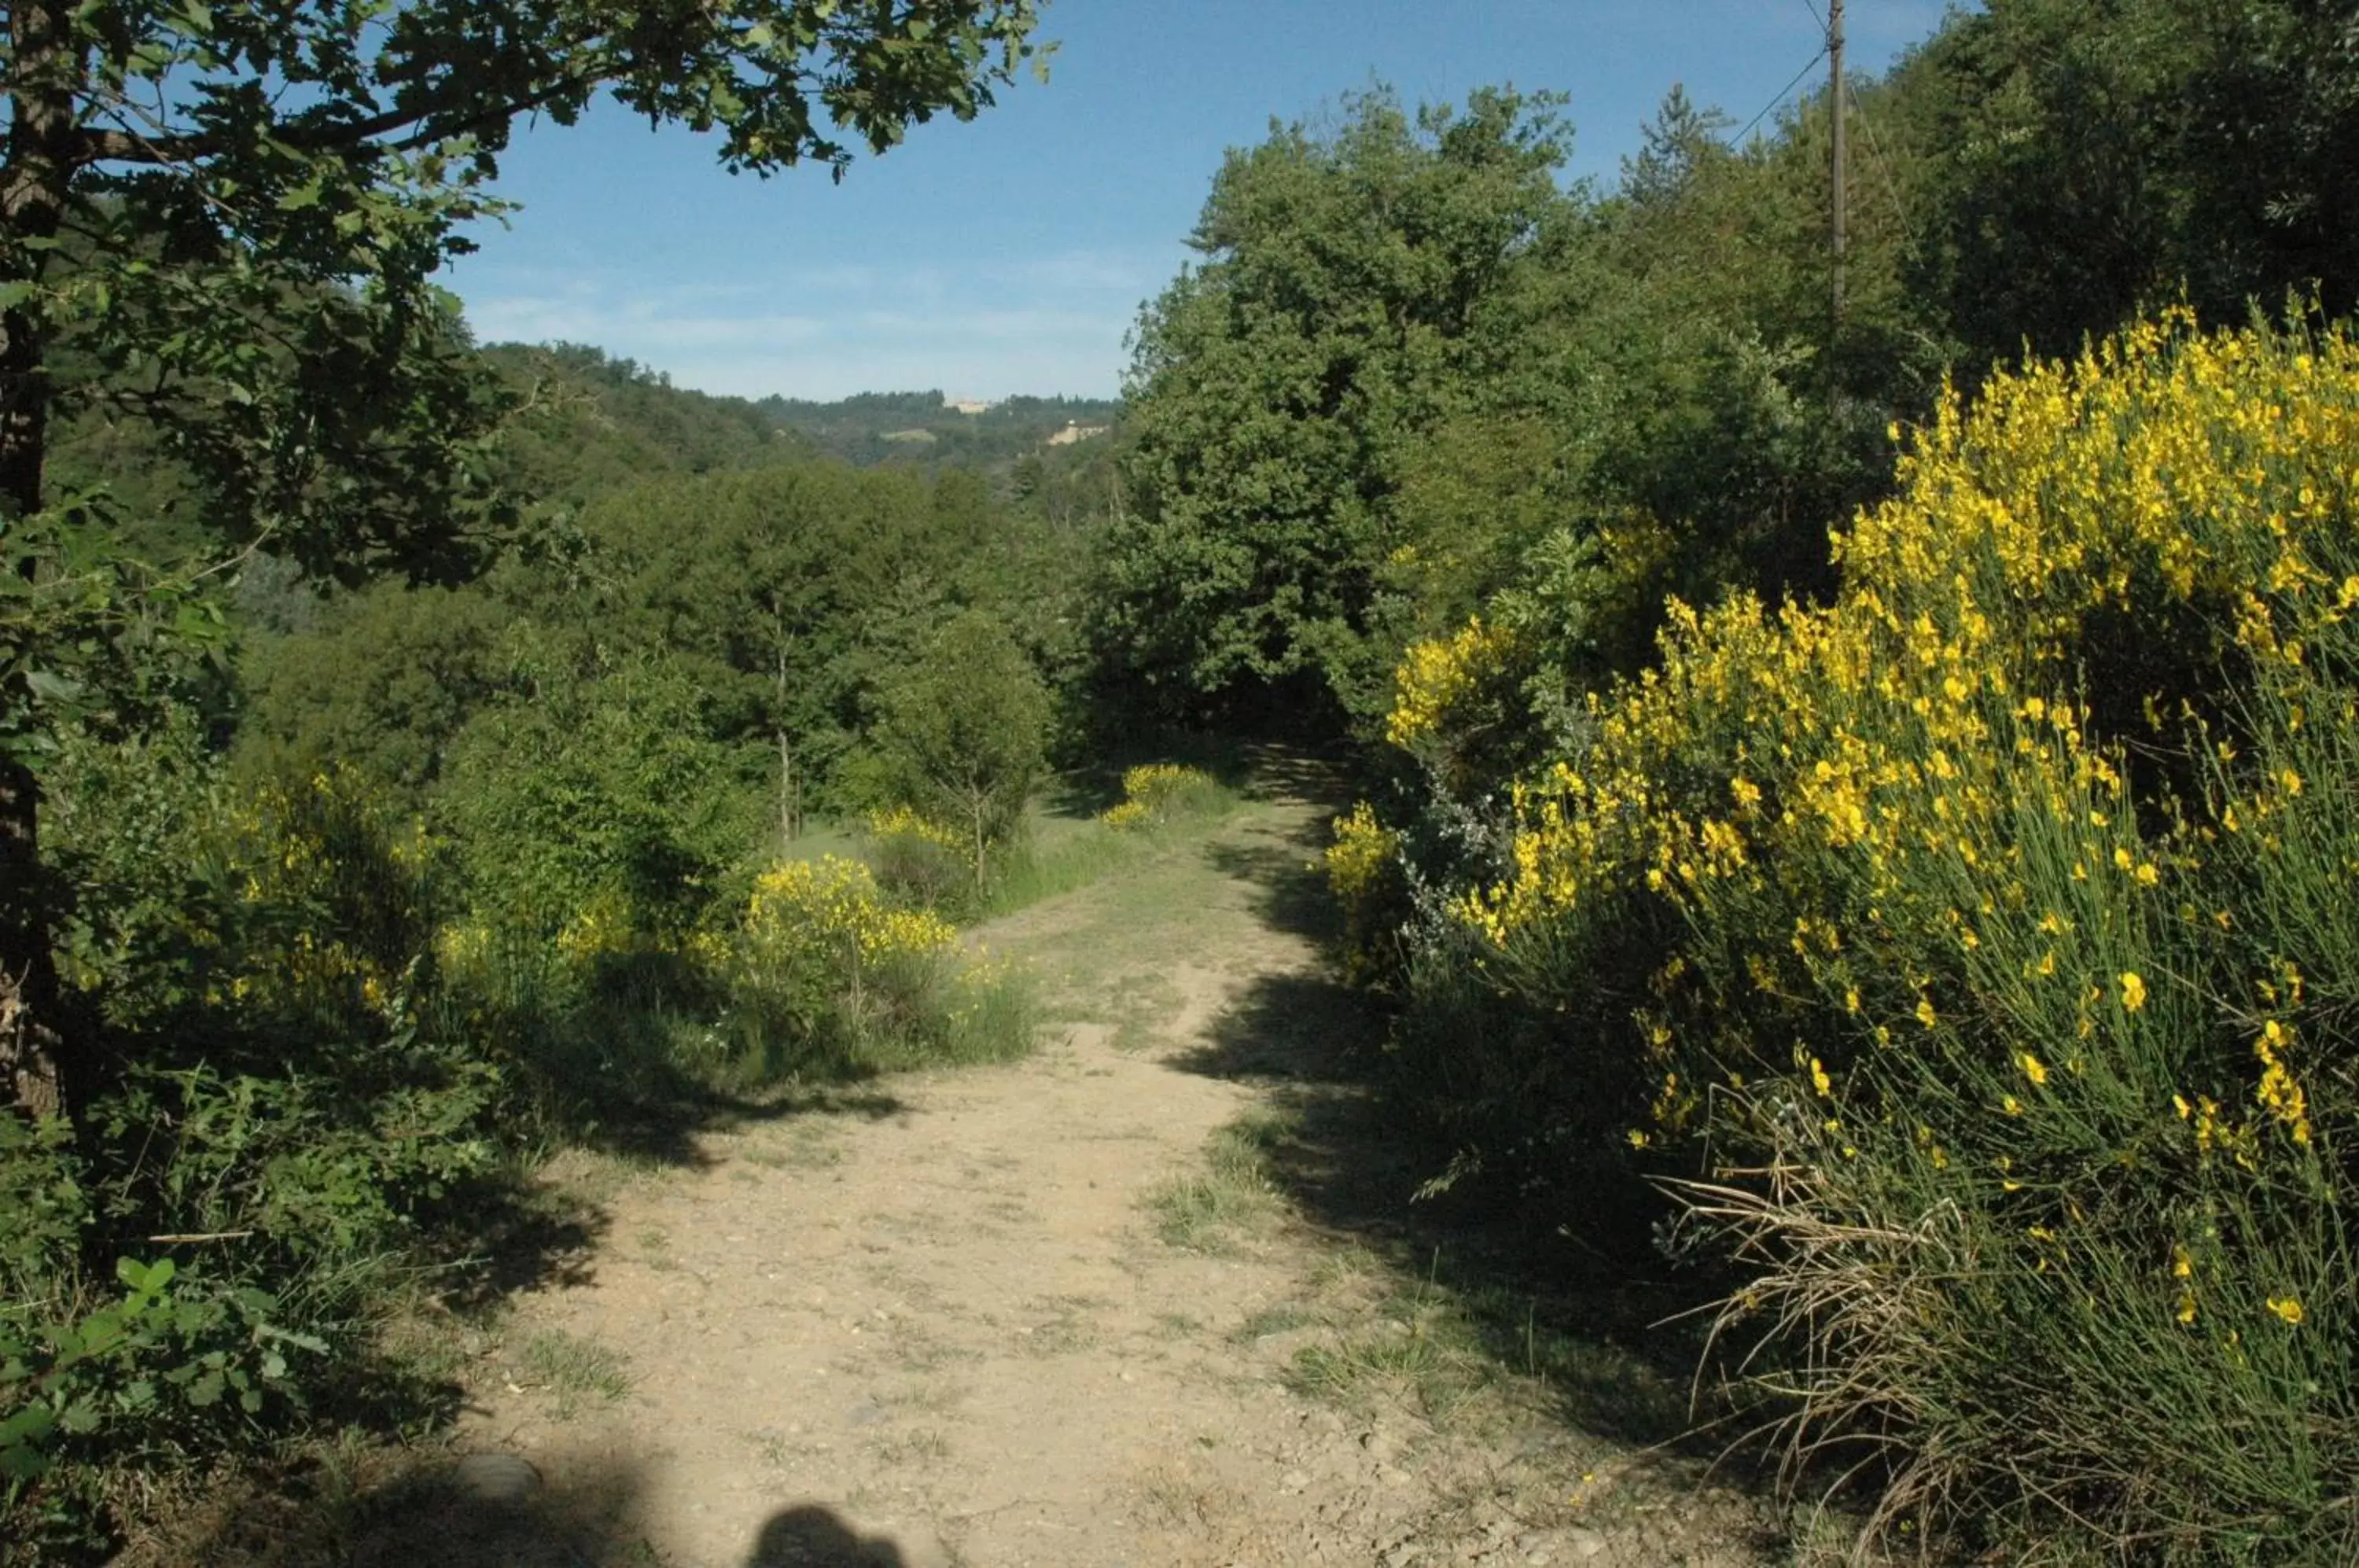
810, 1536
488, 1510
530, 1235
390, 1509
1587, 1322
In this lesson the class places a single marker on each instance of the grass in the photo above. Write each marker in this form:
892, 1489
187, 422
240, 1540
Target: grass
1233, 1198
1379, 1333
1066, 1329
1062, 852
925, 1446
1465, 1355
574, 1371
1062, 847
1270, 1322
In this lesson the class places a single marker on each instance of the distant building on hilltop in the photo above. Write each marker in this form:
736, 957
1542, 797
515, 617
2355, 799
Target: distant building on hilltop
1075, 430
966, 405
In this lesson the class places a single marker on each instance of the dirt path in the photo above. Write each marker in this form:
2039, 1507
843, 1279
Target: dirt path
1060, 1312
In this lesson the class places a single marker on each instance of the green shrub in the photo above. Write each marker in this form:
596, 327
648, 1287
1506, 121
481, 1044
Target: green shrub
277, 1125
1157, 794
961, 735
603, 799
1983, 936
918, 861
826, 977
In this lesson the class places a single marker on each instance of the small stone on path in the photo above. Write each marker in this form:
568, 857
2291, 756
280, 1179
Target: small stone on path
503, 1478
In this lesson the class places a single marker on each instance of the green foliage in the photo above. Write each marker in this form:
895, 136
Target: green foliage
1279, 387
1972, 935
827, 977
600, 792
2096, 159
219, 346
586, 425
258, 961
144, 1369
44, 1202
963, 733
90, 635
1155, 794
384, 687
923, 864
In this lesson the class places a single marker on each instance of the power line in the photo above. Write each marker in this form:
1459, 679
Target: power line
1738, 140
1891, 178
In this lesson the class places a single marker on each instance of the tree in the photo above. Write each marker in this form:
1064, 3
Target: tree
1278, 387
222, 219
963, 732
2095, 160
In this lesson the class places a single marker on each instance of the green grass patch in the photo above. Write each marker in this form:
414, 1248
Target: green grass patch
1062, 852
1268, 1323
576, 1373
1233, 1198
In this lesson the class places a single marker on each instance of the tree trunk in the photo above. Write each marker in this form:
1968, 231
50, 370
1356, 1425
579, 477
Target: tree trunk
790, 801
45, 71
790, 816
32, 1051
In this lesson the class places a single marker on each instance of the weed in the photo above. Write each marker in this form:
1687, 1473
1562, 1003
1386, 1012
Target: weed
576, 1372
1270, 1322
1233, 1197
924, 1446
1067, 1329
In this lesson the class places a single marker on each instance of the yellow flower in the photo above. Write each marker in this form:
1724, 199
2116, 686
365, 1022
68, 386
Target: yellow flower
1434, 677
2288, 1308
2033, 1068
2132, 991
1925, 1014
2280, 1092
1819, 1078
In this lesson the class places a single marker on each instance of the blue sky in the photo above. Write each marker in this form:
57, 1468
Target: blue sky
1011, 254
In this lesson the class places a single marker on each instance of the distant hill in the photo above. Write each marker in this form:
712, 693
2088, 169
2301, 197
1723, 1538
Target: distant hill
599, 420
923, 426
592, 423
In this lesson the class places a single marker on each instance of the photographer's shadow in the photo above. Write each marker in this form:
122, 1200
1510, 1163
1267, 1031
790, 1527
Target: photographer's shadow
810, 1536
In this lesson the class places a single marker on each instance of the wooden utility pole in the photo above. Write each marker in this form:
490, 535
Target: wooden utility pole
1835, 96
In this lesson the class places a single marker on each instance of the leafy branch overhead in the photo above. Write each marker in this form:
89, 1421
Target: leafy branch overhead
236, 197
